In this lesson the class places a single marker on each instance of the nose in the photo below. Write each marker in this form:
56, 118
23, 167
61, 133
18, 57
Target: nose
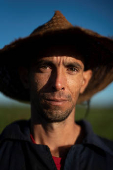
59, 80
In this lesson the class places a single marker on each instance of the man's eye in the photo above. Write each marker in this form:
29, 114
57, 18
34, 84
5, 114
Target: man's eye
45, 67
73, 69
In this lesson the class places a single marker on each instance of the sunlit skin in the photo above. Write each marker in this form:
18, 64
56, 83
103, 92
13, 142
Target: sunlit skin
55, 83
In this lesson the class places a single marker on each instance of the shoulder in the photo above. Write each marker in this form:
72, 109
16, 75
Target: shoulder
16, 130
107, 142
95, 141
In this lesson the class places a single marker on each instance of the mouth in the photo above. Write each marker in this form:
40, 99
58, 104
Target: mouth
57, 102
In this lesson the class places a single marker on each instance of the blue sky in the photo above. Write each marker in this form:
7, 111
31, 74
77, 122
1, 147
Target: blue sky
18, 18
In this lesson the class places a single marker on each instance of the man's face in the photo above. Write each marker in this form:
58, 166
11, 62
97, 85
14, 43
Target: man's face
55, 84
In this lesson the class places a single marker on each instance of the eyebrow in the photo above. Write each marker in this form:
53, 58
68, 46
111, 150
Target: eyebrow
75, 64
41, 62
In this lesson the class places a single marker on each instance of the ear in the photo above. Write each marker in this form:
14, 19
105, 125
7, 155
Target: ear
86, 78
24, 77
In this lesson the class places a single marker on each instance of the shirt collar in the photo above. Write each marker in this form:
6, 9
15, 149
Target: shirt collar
91, 138
21, 131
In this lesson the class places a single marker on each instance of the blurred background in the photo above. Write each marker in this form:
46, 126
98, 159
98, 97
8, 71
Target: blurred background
18, 18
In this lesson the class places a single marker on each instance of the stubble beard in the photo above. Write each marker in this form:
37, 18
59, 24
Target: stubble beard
52, 114
55, 115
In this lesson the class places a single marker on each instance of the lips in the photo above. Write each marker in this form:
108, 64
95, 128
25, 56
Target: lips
55, 101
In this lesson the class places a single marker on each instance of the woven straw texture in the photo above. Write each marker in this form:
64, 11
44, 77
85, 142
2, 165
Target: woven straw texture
96, 50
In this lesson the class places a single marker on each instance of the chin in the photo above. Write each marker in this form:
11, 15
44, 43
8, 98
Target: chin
56, 115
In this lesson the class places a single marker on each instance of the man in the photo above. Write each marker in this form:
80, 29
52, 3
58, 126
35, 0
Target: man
55, 68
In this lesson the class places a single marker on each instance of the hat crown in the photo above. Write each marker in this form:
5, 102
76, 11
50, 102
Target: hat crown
57, 22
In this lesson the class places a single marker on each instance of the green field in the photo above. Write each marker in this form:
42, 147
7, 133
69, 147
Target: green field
100, 119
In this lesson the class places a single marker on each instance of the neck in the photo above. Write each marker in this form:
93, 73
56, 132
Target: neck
58, 136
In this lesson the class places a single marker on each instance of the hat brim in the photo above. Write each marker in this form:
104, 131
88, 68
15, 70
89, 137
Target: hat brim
96, 50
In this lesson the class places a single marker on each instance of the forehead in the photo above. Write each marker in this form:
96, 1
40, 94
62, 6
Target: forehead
58, 60
60, 54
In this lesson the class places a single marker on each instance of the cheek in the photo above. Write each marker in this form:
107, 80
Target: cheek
74, 85
38, 81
